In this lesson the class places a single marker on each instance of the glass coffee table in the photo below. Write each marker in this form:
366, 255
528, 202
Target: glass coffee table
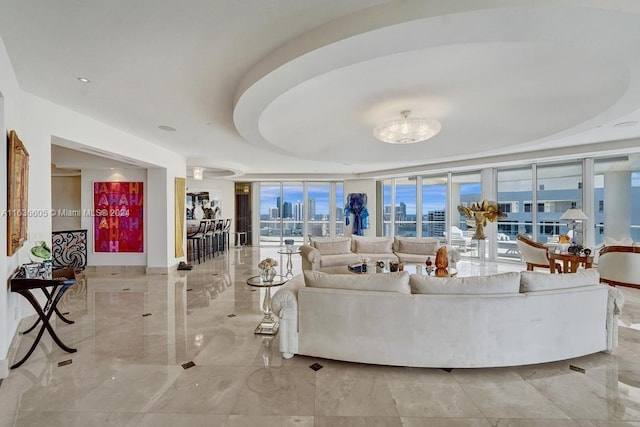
268, 326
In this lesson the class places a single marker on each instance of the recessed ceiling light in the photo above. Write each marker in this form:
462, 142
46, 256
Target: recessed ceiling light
167, 128
625, 124
84, 80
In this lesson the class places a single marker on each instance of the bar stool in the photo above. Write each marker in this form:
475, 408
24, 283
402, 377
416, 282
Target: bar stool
226, 228
196, 239
208, 238
218, 236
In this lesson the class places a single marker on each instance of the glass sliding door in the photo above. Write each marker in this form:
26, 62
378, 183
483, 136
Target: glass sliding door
289, 210
466, 188
559, 187
434, 207
318, 208
405, 207
292, 226
339, 208
387, 205
270, 213
515, 196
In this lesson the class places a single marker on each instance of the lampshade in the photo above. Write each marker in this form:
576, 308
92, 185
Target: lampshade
198, 173
574, 214
406, 130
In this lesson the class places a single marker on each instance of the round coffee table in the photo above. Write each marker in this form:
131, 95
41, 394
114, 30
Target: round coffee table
269, 325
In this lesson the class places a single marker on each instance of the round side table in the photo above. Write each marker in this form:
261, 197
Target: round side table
288, 253
269, 325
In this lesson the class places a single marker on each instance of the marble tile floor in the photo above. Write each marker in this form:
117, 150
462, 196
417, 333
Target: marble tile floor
134, 332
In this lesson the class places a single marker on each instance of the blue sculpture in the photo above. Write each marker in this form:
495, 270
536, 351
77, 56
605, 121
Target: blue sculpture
357, 206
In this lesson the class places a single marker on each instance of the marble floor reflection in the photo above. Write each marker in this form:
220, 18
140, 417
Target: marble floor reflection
136, 335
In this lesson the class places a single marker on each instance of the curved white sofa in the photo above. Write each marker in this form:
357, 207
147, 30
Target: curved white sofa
502, 320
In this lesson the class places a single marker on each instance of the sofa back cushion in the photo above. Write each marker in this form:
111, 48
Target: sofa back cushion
371, 245
413, 245
332, 245
504, 283
385, 282
537, 281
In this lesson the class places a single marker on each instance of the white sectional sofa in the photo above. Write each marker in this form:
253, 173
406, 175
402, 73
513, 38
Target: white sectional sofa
397, 319
324, 253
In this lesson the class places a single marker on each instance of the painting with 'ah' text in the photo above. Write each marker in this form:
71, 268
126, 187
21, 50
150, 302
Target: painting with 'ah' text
118, 217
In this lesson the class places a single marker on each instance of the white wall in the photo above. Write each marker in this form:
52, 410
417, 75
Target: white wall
38, 122
65, 191
117, 175
9, 119
367, 186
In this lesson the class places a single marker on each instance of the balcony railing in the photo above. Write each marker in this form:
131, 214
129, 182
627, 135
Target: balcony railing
69, 248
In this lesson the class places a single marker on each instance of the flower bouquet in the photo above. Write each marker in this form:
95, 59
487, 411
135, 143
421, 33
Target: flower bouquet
267, 272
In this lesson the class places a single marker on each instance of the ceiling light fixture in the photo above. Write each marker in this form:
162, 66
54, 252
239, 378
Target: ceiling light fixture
167, 128
406, 130
198, 173
84, 80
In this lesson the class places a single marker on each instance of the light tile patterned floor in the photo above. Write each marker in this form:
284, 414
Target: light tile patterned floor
128, 368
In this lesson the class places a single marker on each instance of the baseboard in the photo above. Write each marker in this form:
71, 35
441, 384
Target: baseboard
159, 270
130, 269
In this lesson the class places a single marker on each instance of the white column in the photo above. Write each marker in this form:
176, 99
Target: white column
455, 202
617, 203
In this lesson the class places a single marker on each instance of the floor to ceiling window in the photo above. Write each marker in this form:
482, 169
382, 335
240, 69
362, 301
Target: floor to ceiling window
466, 188
270, 209
299, 210
318, 209
387, 205
405, 207
339, 208
558, 187
515, 197
434, 206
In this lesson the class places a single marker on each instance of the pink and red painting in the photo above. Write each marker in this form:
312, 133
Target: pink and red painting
118, 217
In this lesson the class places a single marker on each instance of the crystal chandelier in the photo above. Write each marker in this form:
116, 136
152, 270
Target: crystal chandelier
406, 130
198, 172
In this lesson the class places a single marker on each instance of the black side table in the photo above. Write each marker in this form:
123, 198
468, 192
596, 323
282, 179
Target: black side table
53, 289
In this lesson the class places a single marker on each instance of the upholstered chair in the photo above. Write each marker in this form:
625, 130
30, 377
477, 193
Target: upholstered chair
620, 265
534, 254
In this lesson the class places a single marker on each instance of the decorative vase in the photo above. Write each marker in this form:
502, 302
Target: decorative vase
268, 274
442, 258
40, 252
442, 272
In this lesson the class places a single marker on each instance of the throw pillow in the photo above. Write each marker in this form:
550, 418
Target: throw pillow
333, 246
417, 248
375, 247
504, 283
531, 281
384, 282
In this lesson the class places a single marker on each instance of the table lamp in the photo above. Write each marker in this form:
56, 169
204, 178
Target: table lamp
573, 215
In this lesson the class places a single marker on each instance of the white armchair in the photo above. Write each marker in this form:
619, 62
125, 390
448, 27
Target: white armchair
620, 265
534, 254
